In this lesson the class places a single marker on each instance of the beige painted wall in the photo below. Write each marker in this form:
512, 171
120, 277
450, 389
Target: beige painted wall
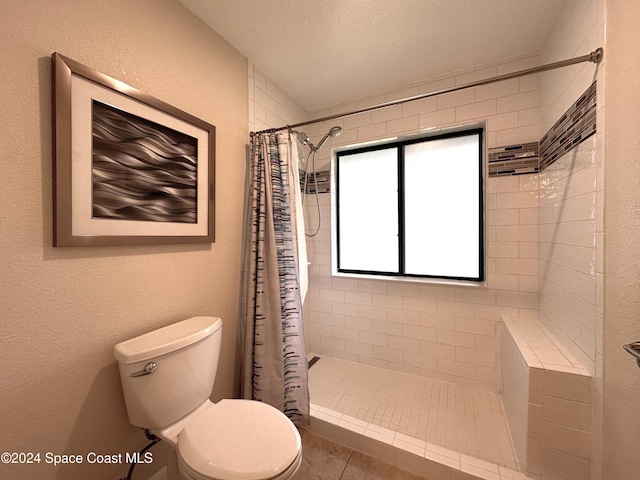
621, 424
63, 309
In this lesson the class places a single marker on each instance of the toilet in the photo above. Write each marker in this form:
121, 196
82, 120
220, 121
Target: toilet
167, 376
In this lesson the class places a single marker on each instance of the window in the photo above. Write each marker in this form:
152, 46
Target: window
412, 208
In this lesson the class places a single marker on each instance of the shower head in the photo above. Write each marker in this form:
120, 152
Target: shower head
303, 137
334, 132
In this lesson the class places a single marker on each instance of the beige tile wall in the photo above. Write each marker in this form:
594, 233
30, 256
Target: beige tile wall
269, 105
515, 394
445, 332
568, 228
510, 108
571, 205
571, 190
559, 428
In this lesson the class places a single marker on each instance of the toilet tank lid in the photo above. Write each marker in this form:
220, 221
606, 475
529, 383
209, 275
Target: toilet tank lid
166, 339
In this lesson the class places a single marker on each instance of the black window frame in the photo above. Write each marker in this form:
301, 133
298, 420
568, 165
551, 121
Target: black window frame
399, 145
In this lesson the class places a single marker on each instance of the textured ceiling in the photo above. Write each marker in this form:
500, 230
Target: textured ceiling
325, 52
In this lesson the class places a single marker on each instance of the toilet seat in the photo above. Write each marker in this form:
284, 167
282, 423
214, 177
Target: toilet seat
285, 475
239, 440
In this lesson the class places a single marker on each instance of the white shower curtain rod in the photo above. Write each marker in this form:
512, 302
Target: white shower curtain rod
595, 57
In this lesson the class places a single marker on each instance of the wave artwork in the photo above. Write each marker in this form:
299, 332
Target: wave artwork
141, 170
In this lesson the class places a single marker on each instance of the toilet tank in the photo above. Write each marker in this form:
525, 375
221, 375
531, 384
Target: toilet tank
185, 355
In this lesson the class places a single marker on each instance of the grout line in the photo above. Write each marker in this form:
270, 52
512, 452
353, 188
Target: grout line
368, 414
346, 464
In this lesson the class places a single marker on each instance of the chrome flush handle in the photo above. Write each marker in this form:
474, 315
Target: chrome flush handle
148, 368
634, 349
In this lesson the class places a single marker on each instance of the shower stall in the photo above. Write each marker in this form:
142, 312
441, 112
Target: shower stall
388, 359
416, 366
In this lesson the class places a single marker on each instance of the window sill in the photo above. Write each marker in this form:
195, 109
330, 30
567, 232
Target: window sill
432, 281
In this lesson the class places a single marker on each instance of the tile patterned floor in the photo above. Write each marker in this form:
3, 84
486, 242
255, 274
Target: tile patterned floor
323, 459
468, 420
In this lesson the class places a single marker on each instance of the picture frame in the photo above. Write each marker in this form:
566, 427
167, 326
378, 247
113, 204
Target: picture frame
129, 169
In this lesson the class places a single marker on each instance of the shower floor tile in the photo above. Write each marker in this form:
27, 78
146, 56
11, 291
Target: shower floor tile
465, 419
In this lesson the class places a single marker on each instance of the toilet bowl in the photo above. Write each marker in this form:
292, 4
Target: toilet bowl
252, 440
167, 376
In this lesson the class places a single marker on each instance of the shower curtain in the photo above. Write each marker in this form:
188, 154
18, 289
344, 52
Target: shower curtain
274, 359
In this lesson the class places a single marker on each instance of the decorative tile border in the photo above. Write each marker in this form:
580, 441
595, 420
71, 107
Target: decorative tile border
514, 159
575, 126
503, 161
323, 179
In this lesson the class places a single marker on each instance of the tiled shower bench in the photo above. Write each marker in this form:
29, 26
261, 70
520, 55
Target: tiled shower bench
547, 397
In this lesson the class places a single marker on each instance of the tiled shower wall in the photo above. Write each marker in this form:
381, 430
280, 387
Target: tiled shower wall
440, 331
269, 105
511, 110
571, 206
568, 230
571, 190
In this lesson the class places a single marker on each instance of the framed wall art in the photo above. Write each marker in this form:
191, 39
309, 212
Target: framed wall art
129, 169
